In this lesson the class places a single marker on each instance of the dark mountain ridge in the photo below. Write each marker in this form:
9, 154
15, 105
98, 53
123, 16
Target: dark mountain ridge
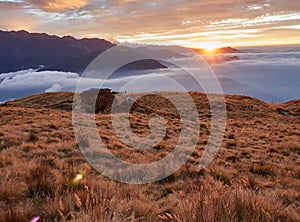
21, 50
24, 50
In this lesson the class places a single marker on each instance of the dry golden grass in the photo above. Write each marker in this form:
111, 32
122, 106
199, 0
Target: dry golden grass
254, 177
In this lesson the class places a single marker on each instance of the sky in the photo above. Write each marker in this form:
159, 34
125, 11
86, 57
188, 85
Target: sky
192, 23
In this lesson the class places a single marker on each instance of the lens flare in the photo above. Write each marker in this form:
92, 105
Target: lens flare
78, 178
35, 219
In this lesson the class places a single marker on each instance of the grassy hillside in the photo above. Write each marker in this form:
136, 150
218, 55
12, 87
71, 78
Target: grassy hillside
254, 177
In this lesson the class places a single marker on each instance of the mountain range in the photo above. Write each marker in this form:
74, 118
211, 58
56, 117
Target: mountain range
21, 50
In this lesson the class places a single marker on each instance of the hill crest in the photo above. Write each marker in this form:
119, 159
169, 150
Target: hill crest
234, 103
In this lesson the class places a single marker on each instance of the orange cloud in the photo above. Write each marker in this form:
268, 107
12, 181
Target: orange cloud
59, 5
12, 17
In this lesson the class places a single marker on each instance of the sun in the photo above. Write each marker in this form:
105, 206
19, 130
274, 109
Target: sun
209, 47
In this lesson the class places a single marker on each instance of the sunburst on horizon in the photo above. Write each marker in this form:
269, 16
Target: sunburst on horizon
208, 47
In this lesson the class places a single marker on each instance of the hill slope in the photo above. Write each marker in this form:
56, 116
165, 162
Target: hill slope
255, 176
236, 104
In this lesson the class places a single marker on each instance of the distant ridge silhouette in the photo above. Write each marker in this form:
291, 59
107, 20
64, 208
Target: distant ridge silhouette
21, 50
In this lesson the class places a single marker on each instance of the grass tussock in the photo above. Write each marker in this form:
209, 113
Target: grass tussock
220, 202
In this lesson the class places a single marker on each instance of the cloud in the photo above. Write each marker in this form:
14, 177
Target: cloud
54, 88
232, 31
264, 74
275, 74
13, 16
59, 5
27, 82
185, 22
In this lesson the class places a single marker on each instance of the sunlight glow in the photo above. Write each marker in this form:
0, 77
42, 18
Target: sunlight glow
210, 47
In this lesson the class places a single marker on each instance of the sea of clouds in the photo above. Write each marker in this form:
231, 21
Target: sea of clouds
273, 73
270, 74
